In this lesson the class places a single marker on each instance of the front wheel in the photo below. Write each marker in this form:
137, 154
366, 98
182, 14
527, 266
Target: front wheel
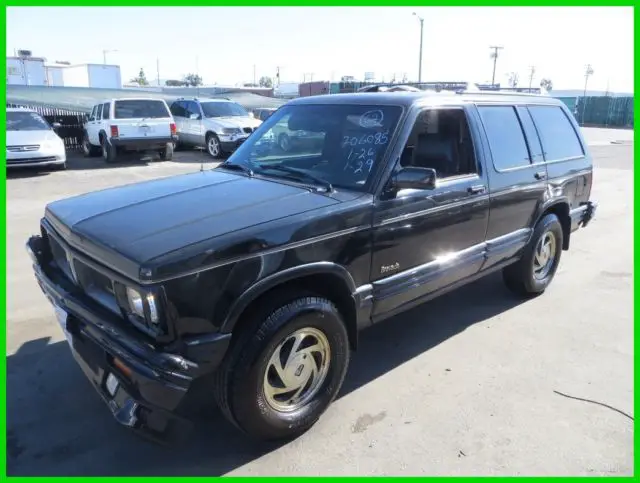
89, 149
533, 273
214, 148
285, 369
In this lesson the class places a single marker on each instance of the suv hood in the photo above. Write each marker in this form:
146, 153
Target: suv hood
129, 226
235, 121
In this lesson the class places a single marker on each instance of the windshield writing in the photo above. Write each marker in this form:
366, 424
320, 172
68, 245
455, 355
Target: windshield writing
334, 145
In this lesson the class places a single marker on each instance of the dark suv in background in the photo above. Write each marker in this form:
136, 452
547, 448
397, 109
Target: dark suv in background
253, 279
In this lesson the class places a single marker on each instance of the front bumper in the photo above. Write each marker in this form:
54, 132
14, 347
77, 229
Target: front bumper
142, 144
151, 397
583, 214
42, 157
230, 146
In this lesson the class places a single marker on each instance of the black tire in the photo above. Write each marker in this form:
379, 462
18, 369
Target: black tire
210, 137
109, 152
521, 277
89, 150
166, 154
239, 385
284, 142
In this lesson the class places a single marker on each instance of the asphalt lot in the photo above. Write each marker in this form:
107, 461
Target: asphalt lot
463, 385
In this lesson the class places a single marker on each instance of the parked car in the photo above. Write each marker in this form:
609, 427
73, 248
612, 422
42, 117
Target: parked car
263, 113
117, 126
258, 282
32, 141
219, 125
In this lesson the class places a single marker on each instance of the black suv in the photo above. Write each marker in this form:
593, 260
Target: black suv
253, 279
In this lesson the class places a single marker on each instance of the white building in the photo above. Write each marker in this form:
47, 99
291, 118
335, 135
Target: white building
26, 71
35, 71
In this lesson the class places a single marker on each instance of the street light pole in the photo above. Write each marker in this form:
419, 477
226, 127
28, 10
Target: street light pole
588, 71
420, 59
104, 55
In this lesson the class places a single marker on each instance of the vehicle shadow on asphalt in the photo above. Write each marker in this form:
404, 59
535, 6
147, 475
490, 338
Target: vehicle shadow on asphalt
57, 425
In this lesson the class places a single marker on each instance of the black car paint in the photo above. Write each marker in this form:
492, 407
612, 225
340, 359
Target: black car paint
213, 242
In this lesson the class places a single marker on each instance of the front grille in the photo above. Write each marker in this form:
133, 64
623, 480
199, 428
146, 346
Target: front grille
44, 159
95, 283
23, 147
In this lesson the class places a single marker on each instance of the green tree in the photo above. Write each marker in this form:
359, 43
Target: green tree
265, 81
192, 80
546, 84
174, 83
141, 79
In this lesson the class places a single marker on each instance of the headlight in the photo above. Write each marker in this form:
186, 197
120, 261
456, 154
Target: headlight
136, 304
231, 130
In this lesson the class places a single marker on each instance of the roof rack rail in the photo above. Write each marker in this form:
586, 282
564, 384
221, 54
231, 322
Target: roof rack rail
499, 93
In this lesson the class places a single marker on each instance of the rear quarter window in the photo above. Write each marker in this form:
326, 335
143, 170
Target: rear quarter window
136, 109
558, 137
506, 138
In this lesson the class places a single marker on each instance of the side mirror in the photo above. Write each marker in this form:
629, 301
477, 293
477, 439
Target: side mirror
415, 178
56, 125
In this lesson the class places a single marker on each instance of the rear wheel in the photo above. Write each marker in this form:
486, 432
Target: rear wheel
533, 273
285, 368
166, 154
109, 152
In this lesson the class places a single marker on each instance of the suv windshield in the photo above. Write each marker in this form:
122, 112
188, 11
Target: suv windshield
223, 109
136, 109
337, 144
26, 121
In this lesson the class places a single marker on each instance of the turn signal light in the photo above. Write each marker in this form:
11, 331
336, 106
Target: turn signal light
126, 371
114, 131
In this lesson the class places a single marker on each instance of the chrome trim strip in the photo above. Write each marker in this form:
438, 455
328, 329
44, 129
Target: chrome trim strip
448, 260
269, 251
481, 248
433, 209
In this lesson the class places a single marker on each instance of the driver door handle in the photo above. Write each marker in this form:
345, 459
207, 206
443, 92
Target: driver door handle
477, 189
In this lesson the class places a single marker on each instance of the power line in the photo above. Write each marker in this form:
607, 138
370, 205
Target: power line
494, 56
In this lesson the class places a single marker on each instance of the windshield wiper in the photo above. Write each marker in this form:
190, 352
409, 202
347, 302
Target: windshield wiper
298, 173
236, 167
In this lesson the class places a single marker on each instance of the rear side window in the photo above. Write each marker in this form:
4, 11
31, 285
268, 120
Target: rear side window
105, 110
558, 137
505, 136
136, 109
177, 109
533, 139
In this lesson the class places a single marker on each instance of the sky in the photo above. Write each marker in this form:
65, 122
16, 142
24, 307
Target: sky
226, 45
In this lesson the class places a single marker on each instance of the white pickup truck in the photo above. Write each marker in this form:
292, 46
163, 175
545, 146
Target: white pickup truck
116, 126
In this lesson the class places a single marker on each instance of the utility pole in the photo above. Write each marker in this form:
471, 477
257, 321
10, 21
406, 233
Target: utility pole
494, 56
588, 71
532, 71
254, 75
278, 75
420, 58
158, 70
